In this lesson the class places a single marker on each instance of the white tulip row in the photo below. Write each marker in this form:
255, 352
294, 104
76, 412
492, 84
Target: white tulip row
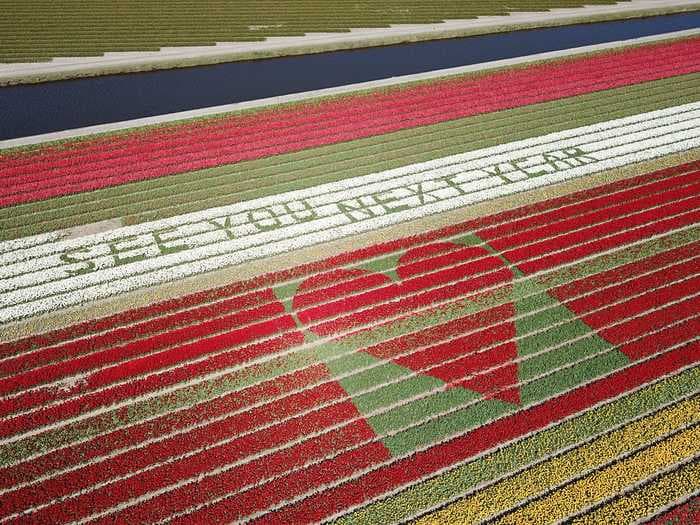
41, 274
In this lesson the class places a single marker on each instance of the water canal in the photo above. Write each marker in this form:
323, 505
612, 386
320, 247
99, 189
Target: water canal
41, 108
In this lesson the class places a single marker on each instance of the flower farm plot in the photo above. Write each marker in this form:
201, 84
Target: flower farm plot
470, 299
44, 29
58, 39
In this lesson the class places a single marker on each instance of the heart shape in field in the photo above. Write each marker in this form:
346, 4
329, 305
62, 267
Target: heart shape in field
474, 351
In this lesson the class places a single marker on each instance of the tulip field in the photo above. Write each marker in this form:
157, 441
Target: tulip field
48, 40
470, 299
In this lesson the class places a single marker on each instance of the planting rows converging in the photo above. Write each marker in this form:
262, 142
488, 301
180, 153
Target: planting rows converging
69, 272
373, 372
470, 300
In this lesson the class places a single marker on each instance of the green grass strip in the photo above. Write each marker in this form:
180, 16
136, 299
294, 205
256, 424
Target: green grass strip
466, 408
449, 485
197, 190
63, 27
191, 395
130, 42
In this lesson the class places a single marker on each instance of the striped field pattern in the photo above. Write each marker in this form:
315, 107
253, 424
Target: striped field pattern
41, 30
473, 299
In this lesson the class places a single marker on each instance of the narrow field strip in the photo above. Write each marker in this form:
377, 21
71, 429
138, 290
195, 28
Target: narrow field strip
160, 198
65, 30
636, 502
677, 53
554, 162
678, 447
684, 510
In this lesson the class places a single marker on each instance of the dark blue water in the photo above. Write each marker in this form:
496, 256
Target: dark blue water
53, 106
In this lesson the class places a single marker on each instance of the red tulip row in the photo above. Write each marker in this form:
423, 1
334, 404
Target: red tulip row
291, 436
137, 157
223, 127
243, 334
505, 231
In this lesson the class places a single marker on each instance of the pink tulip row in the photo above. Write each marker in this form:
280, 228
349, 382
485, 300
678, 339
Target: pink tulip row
146, 159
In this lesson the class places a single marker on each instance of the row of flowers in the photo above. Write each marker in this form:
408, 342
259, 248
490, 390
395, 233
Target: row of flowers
37, 178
